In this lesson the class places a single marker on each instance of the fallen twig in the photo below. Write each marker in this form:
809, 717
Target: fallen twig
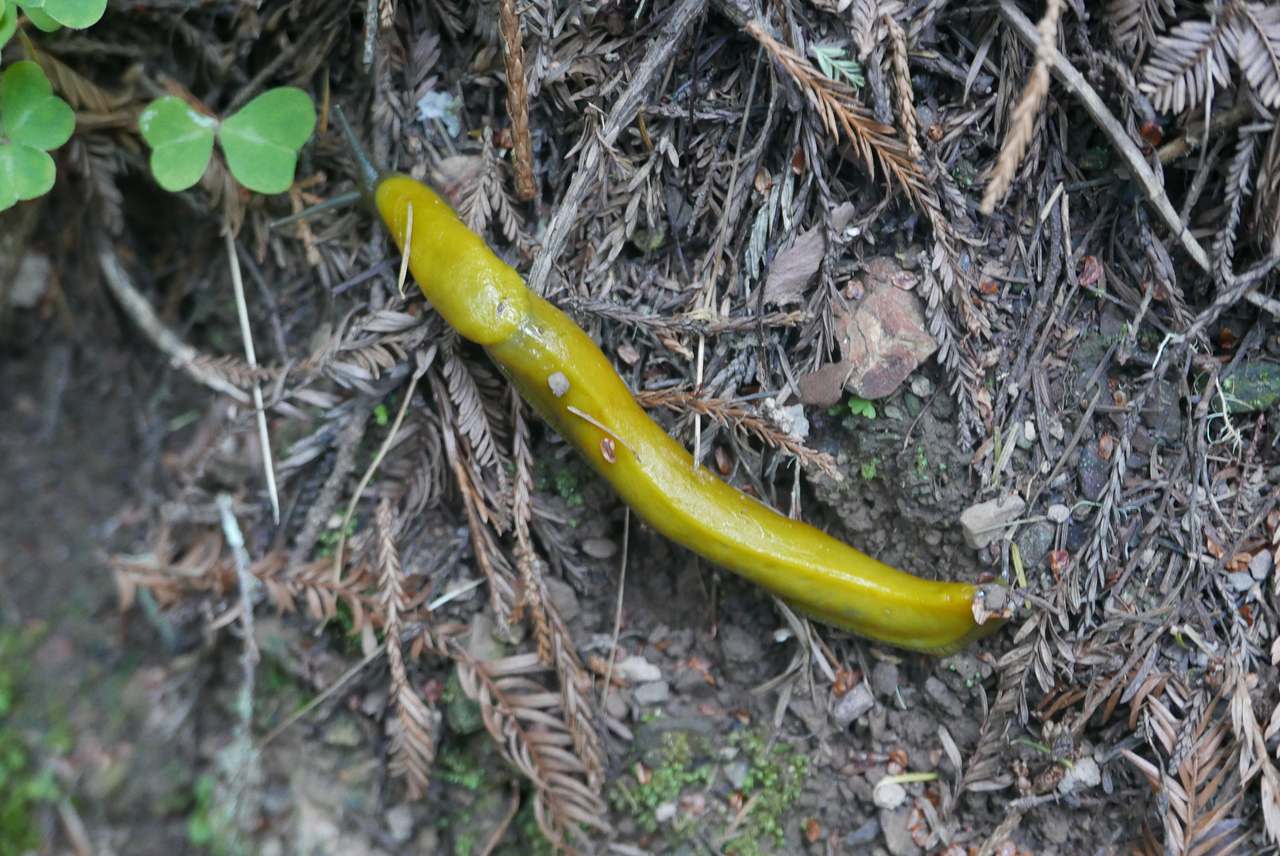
182, 355
1067, 74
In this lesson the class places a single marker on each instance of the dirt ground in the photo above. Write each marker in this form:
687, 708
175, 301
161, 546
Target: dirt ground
131, 713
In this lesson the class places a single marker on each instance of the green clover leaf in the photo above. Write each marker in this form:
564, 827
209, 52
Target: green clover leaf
32, 121
25, 173
39, 17
181, 141
29, 111
8, 22
262, 140
76, 14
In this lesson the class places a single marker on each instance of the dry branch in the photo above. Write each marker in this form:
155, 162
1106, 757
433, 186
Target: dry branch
413, 734
517, 99
1026, 112
1075, 82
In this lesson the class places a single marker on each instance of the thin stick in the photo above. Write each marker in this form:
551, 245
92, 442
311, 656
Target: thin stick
617, 612
180, 354
339, 201
320, 699
264, 437
495, 837
423, 363
1074, 81
591, 420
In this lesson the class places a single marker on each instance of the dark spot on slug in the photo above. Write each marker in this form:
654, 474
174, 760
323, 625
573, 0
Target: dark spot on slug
609, 450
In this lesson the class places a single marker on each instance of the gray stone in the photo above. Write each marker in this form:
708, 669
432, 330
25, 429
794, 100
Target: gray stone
1083, 774
483, 643
1240, 580
652, 693
888, 795
615, 705
736, 773
599, 548
984, 522
922, 386
740, 646
1163, 412
563, 597
637, 670
1093, 472
895, 826
399, 823
1058, 513
35, 272
863, 835
691, 682
943, 697
1034, 543
343, 731
884, 680
852, 705
1260, 565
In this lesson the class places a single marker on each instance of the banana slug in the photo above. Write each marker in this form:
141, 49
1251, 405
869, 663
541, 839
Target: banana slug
566, 378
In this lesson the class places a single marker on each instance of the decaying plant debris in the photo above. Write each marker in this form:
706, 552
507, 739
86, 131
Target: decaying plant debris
648, 170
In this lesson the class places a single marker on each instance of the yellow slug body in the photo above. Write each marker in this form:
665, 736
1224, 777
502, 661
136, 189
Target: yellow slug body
561, 372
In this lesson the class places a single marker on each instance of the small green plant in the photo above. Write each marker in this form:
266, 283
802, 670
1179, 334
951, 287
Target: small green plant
49, 15
753, 812
200, 824
922, 463
22, 788
774, 780
675, 772
329, 538
458, 768
260, 141
33, 122
381, 415
835, 65
868, 469
861, 407
568, 488
8, 21
24, 783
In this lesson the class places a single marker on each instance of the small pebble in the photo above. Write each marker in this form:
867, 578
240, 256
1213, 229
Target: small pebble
1058, 513
599, 548
638, 670
853, 705
1083, 774
889, 795
1240, 580
399, 823
652, 693
1260, 565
